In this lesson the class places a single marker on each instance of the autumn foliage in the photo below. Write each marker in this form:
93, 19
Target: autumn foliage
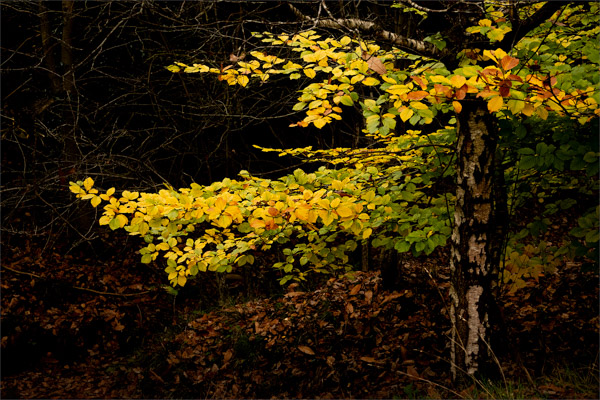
314, 220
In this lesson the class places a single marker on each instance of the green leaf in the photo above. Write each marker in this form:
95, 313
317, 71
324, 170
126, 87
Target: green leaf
527, 162
347, 100
525, 151
592, 236
114, 224
402, 246
590, 157
299, 106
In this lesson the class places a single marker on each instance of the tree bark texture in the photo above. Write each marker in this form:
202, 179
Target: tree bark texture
473, 239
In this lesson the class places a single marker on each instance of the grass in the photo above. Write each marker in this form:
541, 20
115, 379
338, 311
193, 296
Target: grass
562, 382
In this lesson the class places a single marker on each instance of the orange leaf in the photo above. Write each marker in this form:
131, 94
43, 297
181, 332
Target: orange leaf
457, 106
272, 211
419, 81
306, 350
508, 62
418, 95
443, 89
462, 92
355, 290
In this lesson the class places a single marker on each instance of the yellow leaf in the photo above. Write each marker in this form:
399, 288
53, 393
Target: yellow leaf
105, 219
458, 81
110, 191
122, 220
130, 195
528, 109
95, 201
356, 78
88, 183
220, 203
75, 188
495, 104
345, 40
320, 122
242, 80
162, 246
344, 211
406, 114
310, 72
366, 233
224, 221
370, 81
181, 280
490, 54
398, 89
542, 112
417, 105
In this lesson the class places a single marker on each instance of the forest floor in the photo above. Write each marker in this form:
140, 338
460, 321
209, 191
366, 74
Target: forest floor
103, 326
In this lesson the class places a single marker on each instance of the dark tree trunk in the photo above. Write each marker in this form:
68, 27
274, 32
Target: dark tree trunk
473, 265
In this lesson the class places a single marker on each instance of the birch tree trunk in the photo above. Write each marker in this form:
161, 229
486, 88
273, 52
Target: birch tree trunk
473, 240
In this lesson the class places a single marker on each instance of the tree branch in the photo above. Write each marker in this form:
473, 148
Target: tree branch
520, 31
418, 46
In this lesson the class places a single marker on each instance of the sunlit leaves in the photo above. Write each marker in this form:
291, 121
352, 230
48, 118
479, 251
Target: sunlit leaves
233, 219
88, 183
370, 81
495, 103
380, 192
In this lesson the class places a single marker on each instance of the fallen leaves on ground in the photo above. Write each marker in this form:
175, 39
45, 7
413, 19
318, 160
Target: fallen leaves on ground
349, 338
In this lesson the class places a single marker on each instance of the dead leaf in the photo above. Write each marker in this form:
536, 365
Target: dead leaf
374, 63
349, 308
355, 289
234, 58
370, 360
306, 350
227, 356
412, 372
391, 297
293, 294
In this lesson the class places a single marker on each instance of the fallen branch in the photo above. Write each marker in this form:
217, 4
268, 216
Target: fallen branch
78, 287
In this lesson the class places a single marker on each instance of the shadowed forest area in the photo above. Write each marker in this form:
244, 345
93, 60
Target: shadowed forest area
436, 239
